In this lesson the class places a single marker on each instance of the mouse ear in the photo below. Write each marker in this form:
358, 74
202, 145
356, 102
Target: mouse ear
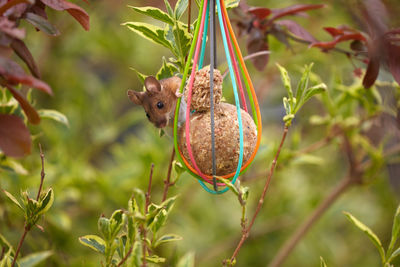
152, 84
136, 97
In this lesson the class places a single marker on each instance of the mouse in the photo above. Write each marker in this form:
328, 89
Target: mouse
159, 100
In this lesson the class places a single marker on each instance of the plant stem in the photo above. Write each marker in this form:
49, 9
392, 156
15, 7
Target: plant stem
26, 230
167, 182
253, 55
126, 257
42, 174
189, 14
246, 232
10, 4
303, 229
142, 227
148, 193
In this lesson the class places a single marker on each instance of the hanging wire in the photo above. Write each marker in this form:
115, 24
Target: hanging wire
230, 52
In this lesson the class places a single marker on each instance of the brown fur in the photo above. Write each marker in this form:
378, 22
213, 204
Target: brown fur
165, 92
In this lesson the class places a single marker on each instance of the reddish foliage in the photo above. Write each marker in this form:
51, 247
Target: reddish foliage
31, 113
14, 135
77, 12
14, 74
15, 139
258, 24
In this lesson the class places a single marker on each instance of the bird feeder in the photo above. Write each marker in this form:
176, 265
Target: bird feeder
218, 138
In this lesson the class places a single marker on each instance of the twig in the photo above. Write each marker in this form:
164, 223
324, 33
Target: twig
26, 230
167, 182
303, 229
42, 174
354, 176
142, 227
253, 55
189, 14
3, 251
246, 232
148, 193
126, 256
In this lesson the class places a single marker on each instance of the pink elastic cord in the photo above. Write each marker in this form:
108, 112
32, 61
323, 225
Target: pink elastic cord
234, 63
189, 99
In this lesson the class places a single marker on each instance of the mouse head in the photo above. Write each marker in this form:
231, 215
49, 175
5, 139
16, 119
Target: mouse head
158, 102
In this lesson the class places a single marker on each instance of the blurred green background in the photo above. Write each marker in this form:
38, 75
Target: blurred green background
108, 148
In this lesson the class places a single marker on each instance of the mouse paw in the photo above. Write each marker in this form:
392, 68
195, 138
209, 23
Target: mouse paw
178, 94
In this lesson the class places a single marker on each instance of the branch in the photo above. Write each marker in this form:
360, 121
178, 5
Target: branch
26, 228
167, 182
246, 232
142, 227
303, 229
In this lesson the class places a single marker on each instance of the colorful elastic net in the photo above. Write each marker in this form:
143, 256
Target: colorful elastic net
209, 10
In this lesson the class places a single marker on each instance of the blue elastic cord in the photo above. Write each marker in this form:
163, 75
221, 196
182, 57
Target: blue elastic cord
204, 41
240, 162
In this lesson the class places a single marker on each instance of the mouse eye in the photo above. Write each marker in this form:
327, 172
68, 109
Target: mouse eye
148, 116
160, 105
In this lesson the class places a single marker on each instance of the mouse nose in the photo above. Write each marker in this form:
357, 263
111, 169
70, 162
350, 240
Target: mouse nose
161, 124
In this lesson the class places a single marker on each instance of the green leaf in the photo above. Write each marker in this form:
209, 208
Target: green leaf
155, 13
13, 199
169, 8
155, 259
53, 115
168, 204
104, 227
229, 184
140, 200
317, 89
169, 36
322, 262
94, 242
42, 24
13, 165
149, 32
167, 238
180, 8
229, 4
286, 82
287, 106
159, 220
45, 202
182, 39
138, 254
4, 243
187, 260
303, 85
117, 220
140, 75
394, 255
395, 230
372, 236
245, 192
34, 258
167, 70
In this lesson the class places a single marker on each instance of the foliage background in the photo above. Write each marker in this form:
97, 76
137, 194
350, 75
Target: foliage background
108, 148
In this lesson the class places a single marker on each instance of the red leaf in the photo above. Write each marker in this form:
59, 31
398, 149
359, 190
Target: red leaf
31, 113
333, 31
14, 74
255, 43
9, 28
15, 139
77, 12
392, 48
260, 12
22, 51
293, 10
297, 30
372, 72
338, 39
